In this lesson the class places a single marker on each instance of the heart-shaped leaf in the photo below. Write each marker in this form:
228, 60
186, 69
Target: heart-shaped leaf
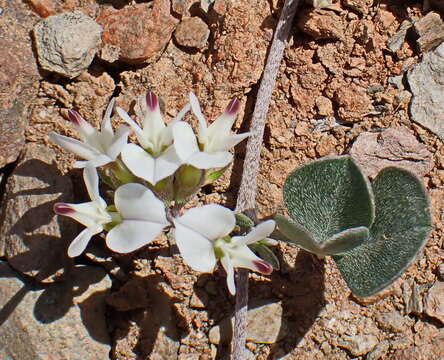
400, 230
329, 196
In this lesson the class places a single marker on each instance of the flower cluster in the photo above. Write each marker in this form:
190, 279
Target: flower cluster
167, 166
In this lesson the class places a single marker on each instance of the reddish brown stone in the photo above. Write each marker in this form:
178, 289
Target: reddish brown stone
353, 103
140, 31
322, 24
44, 8
192, 32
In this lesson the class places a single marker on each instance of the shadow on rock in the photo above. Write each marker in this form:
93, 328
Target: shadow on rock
142, 310
33, 239
280, 312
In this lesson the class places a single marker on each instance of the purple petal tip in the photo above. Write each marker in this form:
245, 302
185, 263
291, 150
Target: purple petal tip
263, 267
75, 117
63, 209
152, 100
233, 107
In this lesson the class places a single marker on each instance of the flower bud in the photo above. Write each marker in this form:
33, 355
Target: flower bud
187, 181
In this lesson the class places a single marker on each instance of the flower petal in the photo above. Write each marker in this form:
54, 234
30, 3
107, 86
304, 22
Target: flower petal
139, 162
77, 147
197, 251
141, 138
243, 257
79, 244
119, 141
228, 142
207, 160
185, 140
259, 232
136, 202
195, 107
85, 129
166, 164
88, 213
153, 123
96, 161
106, 122
212, 221
228, 266
167, 133
91, 179
131, 235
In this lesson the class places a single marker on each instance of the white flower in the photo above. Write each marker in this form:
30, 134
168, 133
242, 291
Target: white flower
214, 140
91, 214
157, 158
97, 147
142, 218
202, 235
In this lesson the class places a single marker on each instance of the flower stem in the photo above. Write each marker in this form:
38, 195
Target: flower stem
247, 193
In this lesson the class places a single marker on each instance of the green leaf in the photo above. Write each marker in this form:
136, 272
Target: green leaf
337, 244
329, 196
345, 241
266, 254
400, 230
296, 234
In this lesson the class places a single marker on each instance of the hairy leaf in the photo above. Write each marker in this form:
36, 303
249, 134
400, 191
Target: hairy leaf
329, 196
400, 230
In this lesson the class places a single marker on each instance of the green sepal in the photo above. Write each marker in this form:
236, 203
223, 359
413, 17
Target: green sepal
400, 230
265, 253
214, 175
244, 222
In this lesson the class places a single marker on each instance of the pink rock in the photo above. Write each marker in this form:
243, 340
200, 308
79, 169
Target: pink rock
392, 147
140, 31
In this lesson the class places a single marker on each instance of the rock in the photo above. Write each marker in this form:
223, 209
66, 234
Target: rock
360, 6
397, 81
353, 102
140, 31
16, 82
67, 43
358, 344
427, 87
392, 147
324, 105
182, 7
392, 321
33, 239
321, 24
132, 295
263, 327
199, 299
412, 297
43, 8
430, 30
434, 303
440, 271
396, 41
192, 32
149, 333
379, 351
63, 321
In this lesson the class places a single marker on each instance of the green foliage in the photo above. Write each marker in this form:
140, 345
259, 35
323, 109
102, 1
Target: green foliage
372, 232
